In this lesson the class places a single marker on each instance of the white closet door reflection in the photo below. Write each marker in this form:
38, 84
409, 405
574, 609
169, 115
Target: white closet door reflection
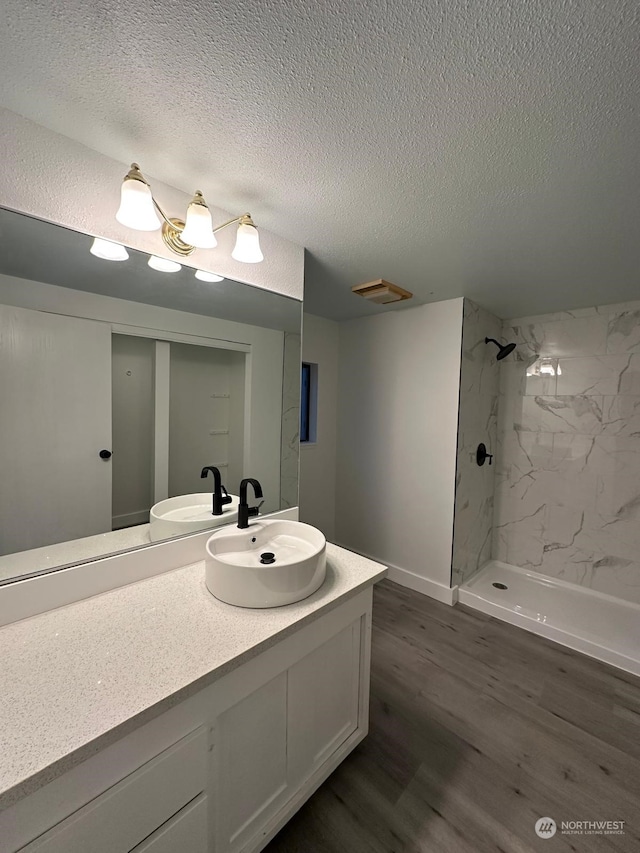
206, 416
55, 418
133, 426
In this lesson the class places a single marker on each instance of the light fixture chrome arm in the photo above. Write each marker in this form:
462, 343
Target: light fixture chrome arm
245, 219
164, 215
179, 226
173, 228
139, 209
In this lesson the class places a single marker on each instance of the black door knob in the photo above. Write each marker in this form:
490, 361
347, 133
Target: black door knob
105, 454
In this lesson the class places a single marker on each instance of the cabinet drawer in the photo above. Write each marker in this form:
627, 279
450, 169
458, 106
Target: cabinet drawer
126, 814
186, 832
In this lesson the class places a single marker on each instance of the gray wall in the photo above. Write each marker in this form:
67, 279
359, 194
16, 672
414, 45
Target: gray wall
320, 343
133, 427
290, 439
477, 422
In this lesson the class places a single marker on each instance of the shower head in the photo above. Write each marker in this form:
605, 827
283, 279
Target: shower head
503, 351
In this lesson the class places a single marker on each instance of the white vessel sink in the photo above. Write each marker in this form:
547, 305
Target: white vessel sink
238, 572
188, 514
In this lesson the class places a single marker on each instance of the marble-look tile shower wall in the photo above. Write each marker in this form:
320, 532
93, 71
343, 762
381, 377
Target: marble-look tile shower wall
477, 422
568, 475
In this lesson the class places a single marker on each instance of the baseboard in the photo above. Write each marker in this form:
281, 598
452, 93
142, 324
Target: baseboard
424, 585
404, 577
130, 519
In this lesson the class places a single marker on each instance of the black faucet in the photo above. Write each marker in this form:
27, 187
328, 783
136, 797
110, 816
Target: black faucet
245, 512
220, 495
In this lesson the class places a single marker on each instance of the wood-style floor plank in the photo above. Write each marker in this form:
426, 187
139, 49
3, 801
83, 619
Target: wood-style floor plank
478, 728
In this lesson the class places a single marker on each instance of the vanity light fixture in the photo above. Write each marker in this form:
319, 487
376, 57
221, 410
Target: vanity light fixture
203, 275
198, 229
108, 251
247, 248
139, 210
163, 265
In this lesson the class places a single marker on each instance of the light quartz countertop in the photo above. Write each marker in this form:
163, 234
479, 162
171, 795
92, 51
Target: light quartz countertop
78, 678
65, 553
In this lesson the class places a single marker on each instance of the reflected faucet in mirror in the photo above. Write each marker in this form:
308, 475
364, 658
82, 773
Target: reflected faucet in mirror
220, 495
245, 512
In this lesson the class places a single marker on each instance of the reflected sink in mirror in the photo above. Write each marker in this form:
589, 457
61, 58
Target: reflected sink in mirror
271, 563
188, 514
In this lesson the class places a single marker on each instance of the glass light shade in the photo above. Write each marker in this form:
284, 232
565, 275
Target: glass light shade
198, 227
163, 265
203, 275
136, 206
108, 251
247, 248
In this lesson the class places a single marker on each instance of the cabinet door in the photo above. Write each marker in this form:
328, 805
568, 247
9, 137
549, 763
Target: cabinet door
323, 702
186, 832
251, 746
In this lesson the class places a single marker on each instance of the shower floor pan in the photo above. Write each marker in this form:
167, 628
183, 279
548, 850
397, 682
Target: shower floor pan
596, 624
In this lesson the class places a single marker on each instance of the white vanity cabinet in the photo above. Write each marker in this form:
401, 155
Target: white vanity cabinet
324, 700
129, 812
185, 833
286, 736
223, 770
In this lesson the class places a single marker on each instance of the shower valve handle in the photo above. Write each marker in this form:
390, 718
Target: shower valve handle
482, 455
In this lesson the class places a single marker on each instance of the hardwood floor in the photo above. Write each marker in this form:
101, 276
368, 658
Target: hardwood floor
478, 728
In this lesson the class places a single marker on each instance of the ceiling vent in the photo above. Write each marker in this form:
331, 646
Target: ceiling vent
381, 292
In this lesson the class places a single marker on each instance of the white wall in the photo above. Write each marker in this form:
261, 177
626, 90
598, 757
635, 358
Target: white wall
320, 341
399, 378
57, 179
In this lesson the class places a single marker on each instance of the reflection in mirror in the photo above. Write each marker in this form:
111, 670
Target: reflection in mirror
119, 385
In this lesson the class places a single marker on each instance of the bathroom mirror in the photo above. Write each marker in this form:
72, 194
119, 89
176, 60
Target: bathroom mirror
119, 383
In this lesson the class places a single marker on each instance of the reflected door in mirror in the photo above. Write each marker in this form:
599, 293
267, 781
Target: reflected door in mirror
55, 417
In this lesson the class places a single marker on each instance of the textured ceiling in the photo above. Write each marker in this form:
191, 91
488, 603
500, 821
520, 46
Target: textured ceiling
487, 149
